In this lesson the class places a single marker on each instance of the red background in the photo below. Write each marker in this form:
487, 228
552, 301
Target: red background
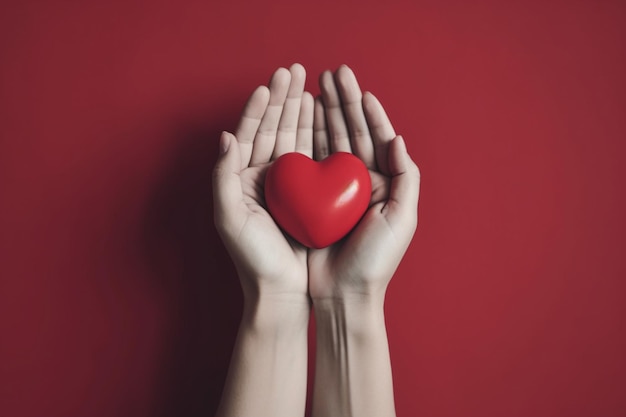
116, 296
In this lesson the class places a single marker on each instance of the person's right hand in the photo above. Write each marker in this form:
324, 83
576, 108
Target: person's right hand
276, 120
268, 371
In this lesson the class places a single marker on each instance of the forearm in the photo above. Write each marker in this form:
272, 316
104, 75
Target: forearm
353, 369
267, 375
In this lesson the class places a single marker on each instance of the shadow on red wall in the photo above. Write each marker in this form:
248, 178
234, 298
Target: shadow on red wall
200, 280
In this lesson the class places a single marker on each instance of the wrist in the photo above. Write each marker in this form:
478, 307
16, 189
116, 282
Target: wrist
276, 313
358, 315
356, 288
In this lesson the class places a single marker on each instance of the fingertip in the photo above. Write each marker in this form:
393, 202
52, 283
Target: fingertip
281, 71
345, 68
345, 71
298, 80
225, 140
297, 68
404, 158
403, 147
325, 76
342, 68
369, 98
397, 156
281, 76
401, 143
347, 84
370, 102
298, 76
261, 93
307, 100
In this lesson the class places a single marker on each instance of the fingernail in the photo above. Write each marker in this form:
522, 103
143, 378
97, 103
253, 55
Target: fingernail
224, 143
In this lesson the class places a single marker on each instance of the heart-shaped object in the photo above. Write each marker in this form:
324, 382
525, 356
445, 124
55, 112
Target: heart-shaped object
317, 203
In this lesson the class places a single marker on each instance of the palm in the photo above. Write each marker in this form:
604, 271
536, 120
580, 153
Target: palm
275, 256
350, 259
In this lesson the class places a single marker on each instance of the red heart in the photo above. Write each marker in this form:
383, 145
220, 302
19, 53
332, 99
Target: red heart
317, 203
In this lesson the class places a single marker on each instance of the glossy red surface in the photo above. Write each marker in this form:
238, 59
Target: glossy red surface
317, 203
117, 297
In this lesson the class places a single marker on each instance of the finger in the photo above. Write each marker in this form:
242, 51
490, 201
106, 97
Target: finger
265, 137
304, 137
381, 130
321, 147
250, 120
288, 125
351, 99
337, 128
401, 207
227, 194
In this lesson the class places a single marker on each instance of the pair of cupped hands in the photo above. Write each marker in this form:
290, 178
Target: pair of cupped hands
282, 118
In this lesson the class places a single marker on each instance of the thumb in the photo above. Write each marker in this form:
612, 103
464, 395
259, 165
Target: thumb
227, 194
405, 185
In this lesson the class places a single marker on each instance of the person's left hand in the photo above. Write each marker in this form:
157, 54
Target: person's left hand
346, 120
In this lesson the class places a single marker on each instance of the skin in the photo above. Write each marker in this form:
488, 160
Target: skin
345, 284
267, 376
